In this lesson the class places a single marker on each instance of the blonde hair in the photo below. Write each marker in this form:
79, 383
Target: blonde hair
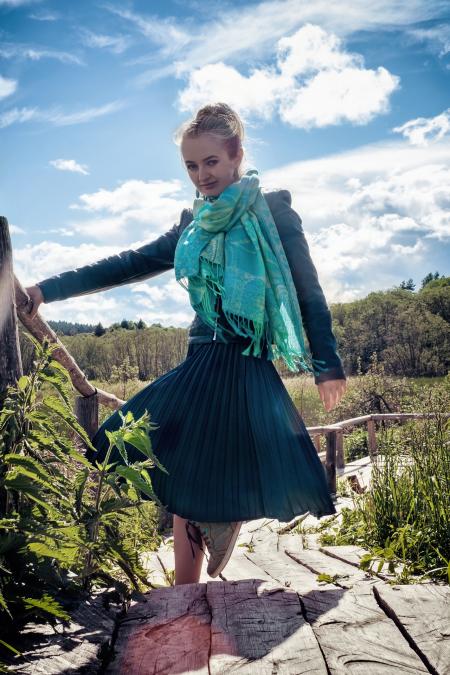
219, 120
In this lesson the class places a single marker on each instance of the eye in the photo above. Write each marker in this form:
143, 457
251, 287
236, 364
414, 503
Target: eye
211, 162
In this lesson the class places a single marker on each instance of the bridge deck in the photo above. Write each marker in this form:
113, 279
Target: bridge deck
268, 613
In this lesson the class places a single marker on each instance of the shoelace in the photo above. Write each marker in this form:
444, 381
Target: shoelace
197, 539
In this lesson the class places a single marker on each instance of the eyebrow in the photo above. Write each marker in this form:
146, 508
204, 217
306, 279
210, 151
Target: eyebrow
203, 160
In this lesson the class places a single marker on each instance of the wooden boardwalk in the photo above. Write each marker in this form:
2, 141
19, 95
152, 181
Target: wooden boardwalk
268, 613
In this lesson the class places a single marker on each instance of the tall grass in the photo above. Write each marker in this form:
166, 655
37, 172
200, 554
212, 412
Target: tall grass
404, 518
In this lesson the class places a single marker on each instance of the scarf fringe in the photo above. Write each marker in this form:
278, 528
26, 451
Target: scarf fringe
260, 335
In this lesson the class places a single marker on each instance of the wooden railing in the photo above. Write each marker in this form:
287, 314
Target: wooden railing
13, 300
333, 455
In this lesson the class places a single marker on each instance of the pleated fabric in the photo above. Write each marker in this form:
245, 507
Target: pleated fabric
230, 437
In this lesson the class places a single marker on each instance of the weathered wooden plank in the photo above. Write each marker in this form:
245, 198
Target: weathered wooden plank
320, 563
73, 649
239, 568
352, 555
168, 633
354, 633
271, 558
422, 612
257, 627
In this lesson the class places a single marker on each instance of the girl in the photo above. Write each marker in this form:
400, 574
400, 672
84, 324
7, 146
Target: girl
229, 435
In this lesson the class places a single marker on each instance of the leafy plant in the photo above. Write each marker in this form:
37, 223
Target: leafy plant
62, 520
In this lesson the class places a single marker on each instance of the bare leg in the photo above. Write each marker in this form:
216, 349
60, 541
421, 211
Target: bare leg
187, 568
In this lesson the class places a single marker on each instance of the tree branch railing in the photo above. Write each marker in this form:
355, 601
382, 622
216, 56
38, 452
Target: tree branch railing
333, 456
40, 329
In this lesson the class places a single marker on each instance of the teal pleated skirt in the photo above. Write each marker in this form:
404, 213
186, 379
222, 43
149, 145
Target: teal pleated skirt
230, 437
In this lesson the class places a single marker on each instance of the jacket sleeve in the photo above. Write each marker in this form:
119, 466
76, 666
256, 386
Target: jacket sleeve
315, 312
125, 267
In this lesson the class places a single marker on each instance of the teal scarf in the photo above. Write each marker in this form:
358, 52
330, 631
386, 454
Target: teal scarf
232, 248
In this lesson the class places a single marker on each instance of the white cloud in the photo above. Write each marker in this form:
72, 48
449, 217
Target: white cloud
17, 116
17, 3
10, 50
422, 130
69, 165
230, 33
258, 93
44, 16
167, 303
160, 300
39, 261
15, 229
172, 291
91, 309
65, 119
163, 32
436, 38
373, 215
56, 116
113, 43
7, 87
151, 207
315, 83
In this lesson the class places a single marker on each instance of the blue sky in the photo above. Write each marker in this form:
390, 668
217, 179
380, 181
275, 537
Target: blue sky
346, 105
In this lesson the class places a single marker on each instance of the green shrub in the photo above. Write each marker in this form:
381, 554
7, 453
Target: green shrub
66, 525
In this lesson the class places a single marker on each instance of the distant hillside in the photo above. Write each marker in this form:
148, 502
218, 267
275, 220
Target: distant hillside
69, 328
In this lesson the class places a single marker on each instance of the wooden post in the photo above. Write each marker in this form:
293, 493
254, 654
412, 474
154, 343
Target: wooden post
86, 411
316, 440
10, 358
340, 461
371, 438
330, 460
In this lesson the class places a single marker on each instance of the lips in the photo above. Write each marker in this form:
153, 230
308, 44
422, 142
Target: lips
208, 185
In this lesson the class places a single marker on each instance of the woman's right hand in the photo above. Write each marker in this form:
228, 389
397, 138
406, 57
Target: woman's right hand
36, 298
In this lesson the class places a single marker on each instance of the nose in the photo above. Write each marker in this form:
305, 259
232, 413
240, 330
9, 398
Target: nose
203, 174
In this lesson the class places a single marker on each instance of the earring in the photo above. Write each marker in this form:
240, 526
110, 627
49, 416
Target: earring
197, 193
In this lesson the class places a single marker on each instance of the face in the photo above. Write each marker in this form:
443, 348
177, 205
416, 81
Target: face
208, 164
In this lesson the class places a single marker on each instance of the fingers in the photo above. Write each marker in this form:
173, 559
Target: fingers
33, 301
30, 309
331, 393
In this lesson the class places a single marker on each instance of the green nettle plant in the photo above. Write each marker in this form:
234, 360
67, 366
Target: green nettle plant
62, 518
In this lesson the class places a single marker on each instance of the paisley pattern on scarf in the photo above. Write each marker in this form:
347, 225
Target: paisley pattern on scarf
232, 248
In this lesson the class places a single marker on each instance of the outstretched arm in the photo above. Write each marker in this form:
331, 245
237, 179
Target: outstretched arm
125, 267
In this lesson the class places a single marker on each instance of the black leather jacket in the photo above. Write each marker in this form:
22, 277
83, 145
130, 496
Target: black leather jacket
158, 256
